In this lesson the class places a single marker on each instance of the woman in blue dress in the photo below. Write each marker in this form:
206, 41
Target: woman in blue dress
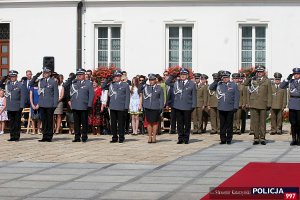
34, 108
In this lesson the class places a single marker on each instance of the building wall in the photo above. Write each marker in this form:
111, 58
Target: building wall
41, 30
216, 33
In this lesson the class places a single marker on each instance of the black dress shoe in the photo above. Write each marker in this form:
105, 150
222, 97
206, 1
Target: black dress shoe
251, 133
180, 142
222, 142
293, 143
228, 142
84, 140
263, 143
76, 140
272, 133
11, 140
114, 141
121, 141
42, 140
255, 143
186, 142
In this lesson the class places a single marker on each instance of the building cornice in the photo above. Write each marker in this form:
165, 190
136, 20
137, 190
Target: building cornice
152, 1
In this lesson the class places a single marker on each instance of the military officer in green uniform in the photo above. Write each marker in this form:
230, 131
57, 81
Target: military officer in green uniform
212, 105
201, 90
237, 79
279, 102
259, 101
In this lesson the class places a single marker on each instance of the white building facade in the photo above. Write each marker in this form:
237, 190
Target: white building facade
149, 36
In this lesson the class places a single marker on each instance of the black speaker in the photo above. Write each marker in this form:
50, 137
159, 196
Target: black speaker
48, 61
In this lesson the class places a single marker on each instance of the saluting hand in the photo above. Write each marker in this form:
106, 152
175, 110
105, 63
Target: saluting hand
38, 74
290, 77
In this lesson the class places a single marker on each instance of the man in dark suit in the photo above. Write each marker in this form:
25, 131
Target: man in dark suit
26, 81
48, 99
185, 102
15, 94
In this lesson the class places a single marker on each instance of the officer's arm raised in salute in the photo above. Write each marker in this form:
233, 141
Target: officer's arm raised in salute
170, 81
285, 83
213, 86
32, 81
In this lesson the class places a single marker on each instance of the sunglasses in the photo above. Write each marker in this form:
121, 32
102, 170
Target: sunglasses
141, 80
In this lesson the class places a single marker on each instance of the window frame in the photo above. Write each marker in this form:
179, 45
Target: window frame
167, 39
109, 38
253, 50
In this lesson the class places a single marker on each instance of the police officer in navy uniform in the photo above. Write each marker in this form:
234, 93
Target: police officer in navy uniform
119, 94
15, 94
228, 103
153, 104
82, 95
185, 102
48, 99
294, 103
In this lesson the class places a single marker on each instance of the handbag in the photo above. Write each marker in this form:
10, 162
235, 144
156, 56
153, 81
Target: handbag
35, 115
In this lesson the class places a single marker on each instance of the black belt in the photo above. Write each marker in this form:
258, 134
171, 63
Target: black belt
295, 97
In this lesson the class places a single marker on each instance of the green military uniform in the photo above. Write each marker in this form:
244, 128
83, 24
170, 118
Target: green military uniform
238, 115
212, 104
279, 102
202, 92
260, 99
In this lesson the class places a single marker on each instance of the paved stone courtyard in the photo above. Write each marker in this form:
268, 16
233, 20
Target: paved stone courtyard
132, 170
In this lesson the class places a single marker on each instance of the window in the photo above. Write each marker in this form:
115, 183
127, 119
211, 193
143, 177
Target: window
253, 46
109, 46
180, 46
4, 31
4, 72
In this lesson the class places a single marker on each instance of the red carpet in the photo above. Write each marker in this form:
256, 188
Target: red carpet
264, 175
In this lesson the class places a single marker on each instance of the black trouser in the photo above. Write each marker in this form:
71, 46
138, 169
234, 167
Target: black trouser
244, 117
173, 120
183, 118
80, 118
15, 124
127, 120
47, 122
117, 118
294, 117
226, 125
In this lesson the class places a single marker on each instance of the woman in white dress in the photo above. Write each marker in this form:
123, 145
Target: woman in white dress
3, 112
135, 105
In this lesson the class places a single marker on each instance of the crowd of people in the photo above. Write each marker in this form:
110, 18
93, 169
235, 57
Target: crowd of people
113, 105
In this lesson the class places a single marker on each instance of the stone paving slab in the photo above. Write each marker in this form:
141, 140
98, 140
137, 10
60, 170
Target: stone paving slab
188, 178
96, 170
133, 195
